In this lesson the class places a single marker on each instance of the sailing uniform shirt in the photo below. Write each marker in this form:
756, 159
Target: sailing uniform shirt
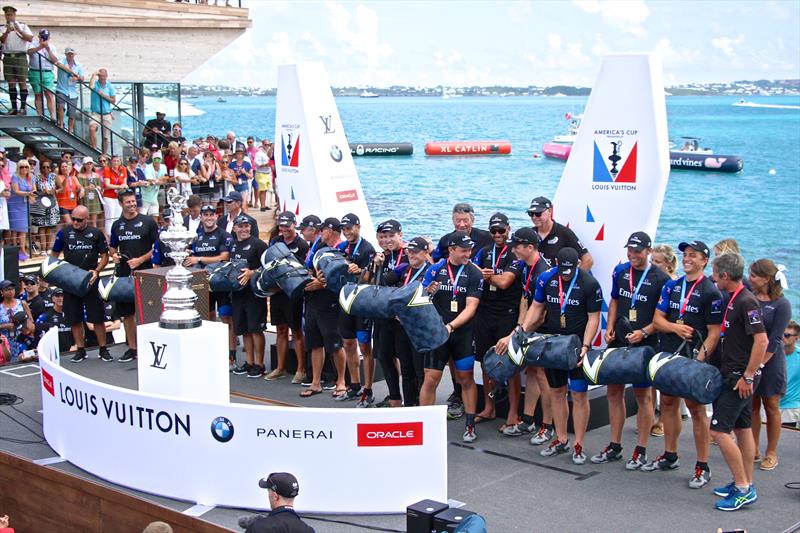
586, 297
133, 238
703, 307
211, 243
405, 274
81, 248
47, 297
36, 305
528, 276
299, 247
646, 298
480, 237
560, 237
359, 252
249, 250
741, 319
468, 283
494, 300
51, 318
391, 260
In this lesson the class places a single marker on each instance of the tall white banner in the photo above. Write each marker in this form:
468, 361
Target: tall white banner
616, 175
214, 454
316, 173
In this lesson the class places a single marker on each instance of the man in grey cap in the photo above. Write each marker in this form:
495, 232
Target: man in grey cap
70, 72
282, 488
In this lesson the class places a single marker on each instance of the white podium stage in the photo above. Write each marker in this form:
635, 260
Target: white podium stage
191, 364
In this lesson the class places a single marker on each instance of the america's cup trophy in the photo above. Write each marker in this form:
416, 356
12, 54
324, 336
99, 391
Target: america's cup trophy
179, 310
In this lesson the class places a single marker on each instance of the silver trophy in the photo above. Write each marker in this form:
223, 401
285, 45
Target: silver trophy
179, 310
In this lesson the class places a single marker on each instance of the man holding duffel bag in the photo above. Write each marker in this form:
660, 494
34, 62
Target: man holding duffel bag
635, 289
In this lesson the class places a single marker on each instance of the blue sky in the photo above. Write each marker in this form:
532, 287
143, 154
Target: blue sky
457, 43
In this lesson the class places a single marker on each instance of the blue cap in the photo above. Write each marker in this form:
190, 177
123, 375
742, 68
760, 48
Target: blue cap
241, 219
233, 196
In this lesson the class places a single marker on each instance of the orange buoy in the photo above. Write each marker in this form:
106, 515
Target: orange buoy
468, 148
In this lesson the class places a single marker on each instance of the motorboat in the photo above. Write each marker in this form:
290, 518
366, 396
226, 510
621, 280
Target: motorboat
367, 94
692, 156
561, 145
221, 100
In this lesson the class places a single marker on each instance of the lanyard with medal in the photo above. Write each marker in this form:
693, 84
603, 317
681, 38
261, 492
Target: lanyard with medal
685, 297
496, 262
454, 282
724, 325
409, 279
530, 273
395, 262
635, 293
562, 299
355, 250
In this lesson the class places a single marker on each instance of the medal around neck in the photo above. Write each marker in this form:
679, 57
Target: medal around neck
179, 309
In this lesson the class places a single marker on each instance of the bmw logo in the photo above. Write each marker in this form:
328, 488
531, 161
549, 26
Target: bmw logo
222, 429
336, 153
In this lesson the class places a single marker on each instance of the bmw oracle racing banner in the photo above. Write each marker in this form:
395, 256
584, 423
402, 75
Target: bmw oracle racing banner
616, 175
316, 173
193, 451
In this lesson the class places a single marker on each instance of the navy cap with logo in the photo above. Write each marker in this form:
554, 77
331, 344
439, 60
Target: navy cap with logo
539, 205
350, 220
526, 236
460, 239
310, 221
286, 219
5, 284
567, 262
498, 220
44, 34
332, 223
208, 208
282, 483
639, 241
241, 219
233, 196
417, 244
699, 246
390, 225
31, 279
58, 291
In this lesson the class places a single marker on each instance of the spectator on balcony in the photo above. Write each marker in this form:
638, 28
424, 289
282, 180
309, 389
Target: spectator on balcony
90, 182
243, 173
102, 163
68, 189
136, 179
44, 216
184, 178
172, 157
177, 134
103, 98
115, 178
195, 158
157, 130
263, 173
41, 74
22, 188
15, 316
15, 37
70, 73
155, 175
5, 192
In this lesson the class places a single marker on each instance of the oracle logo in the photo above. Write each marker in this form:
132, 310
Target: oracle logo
47, 382
347, 196
390, 434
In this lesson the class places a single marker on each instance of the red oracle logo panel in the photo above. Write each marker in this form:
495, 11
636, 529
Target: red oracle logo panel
394, 434
347, 196
47, 382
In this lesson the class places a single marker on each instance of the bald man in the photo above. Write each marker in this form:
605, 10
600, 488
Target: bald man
85, 247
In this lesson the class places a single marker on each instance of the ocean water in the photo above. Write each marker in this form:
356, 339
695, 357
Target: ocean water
760, 210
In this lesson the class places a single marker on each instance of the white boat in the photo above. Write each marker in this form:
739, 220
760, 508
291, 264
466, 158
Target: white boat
367, 94
221, 100
450, 93
744, 103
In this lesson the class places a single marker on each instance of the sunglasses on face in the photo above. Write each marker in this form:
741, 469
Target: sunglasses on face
30, 283
787, 335
78, 220
537, 215
495, 231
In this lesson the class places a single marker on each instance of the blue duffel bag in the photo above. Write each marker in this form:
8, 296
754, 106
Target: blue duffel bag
680, 376
67, 276
114, 289
224, 277
499, 368
333, 265
618, 366
282, 270
422, 322
560, 352
367, 301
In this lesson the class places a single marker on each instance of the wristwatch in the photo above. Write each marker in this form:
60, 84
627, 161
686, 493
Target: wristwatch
747, 380
644, 333
586, 346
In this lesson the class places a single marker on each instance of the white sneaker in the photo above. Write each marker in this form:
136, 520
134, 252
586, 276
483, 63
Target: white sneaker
469, 434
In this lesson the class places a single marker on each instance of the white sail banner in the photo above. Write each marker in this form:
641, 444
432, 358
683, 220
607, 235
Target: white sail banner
316, 173
616, 175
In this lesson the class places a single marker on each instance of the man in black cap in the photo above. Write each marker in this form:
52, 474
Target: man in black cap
285, 314
635, 289
569, 300
213, 245
455, 286
688, 314
309, 228
131, 248
356, 332
233, 208
157, 130
282, 489
86, 248
390, 238
54, 317
32, 296
249, 311
554, 236
463, 220
322, 317
15, 37
498, 311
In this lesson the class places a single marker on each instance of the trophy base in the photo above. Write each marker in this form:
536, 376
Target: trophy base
180, 322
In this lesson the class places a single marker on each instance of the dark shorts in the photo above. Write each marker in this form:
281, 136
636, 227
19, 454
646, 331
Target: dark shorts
64, 101
283, 312
15, 66
74, 308
354, 327
322, 327
729, 410
221, 302
490, 328
249, 312
458, 346
575, 378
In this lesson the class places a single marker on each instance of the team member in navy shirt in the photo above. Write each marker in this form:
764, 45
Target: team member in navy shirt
356, 331
635, 290
463, 220
455, 285
689, 310
555, 236
568, 300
